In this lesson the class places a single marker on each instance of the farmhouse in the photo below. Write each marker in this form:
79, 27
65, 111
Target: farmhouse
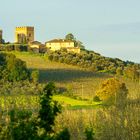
24, 34
37, 46
58, 44
0, 36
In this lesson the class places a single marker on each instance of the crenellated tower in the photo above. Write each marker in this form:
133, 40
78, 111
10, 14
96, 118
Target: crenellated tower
24, 34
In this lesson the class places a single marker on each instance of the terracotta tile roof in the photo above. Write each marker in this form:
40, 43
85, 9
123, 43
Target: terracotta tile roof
58, 41
35, 43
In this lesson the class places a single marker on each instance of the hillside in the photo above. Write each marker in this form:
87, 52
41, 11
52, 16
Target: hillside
75, 80
76, 88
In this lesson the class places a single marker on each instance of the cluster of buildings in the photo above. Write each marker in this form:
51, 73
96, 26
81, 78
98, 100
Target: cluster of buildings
26, 35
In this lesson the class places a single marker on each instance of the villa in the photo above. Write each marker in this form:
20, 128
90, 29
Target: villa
58, 44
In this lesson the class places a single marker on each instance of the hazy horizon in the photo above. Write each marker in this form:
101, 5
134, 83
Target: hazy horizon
111, 28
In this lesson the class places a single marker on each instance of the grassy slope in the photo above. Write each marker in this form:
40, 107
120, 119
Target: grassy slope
32, 102
74, 103
77, 81
72, 78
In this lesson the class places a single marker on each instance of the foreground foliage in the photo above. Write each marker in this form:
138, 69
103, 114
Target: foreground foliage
102, 123
22, 124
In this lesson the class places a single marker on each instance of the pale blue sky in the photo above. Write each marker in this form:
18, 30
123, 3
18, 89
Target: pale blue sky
110, 27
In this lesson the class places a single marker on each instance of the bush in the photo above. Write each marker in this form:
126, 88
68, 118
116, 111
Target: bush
89, 133
112, 91
132, 72
19, 47
13, 69
9, 47
35, 76
96, 99
63, 135
21, 125
56, 58
50, 57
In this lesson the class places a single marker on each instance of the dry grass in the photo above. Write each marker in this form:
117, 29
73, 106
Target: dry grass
107, 123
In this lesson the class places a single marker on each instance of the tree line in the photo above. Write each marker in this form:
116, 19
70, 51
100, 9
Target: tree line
97, 63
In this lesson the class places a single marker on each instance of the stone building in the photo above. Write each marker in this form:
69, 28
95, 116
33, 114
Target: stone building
0, 36
58, 44
24, 34
37, 47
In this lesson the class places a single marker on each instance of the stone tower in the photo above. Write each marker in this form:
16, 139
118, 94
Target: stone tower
0, 36
24, 34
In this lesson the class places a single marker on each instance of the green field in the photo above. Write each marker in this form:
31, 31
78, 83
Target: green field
32, 102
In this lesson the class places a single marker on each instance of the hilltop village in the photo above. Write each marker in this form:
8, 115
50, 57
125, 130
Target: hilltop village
25, 35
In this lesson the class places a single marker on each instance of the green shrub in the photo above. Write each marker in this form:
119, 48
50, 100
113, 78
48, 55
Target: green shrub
13, 69
96, 99
89, 133
63, 135
20, 47
35, 76
9, 47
